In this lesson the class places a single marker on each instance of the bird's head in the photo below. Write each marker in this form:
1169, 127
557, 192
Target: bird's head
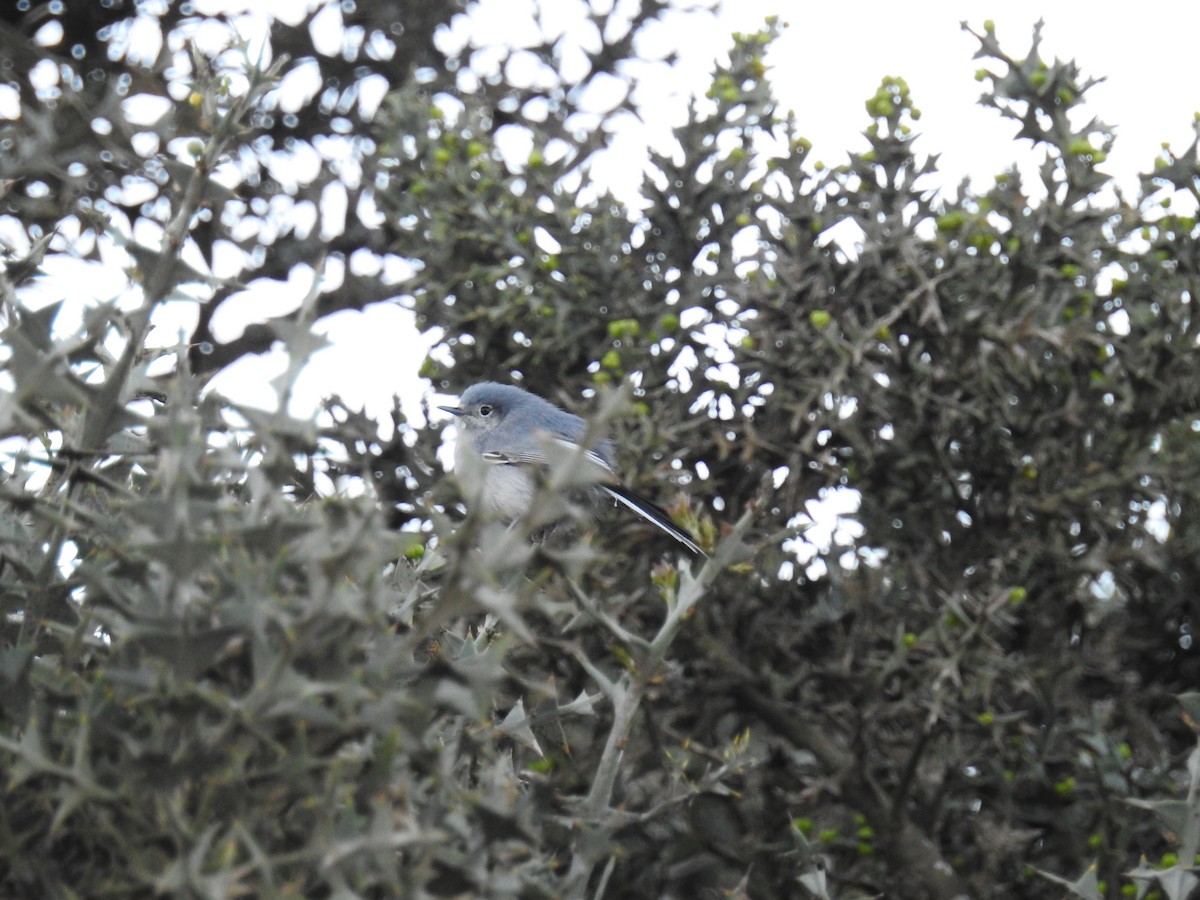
484, 406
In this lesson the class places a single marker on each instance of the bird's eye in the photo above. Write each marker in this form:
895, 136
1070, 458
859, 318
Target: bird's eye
485, 410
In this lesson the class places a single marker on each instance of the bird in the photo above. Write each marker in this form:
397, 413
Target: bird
514, 432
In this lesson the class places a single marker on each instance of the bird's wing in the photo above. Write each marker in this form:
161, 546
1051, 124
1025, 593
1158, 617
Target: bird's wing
539, 458
496, 458
644, 508
653, 514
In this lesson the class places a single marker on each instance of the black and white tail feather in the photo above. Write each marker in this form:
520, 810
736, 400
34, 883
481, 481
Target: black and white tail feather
652, 513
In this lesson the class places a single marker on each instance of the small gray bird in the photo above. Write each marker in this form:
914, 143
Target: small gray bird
512, 430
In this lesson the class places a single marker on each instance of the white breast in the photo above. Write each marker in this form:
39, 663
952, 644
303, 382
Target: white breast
508, 491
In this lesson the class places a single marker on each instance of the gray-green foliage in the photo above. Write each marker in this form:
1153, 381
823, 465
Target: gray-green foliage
247, 654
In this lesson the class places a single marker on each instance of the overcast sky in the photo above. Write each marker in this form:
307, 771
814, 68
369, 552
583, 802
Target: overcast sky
827, 66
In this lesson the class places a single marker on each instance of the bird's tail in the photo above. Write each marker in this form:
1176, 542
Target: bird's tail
652, 513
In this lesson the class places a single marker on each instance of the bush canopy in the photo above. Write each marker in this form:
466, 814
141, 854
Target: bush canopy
254, 653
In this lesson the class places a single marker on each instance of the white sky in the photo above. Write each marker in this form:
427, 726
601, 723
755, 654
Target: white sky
1150, 93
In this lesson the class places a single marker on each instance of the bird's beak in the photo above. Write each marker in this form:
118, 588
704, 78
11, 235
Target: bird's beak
453, 410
